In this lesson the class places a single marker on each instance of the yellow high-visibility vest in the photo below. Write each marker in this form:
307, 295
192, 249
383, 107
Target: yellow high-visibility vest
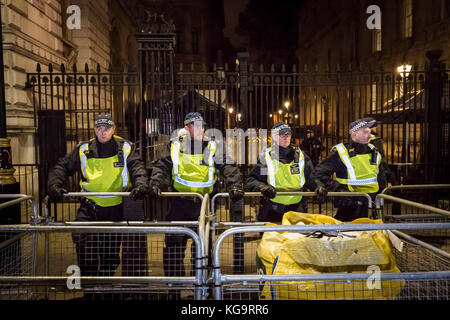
189, 174
104, 175
361, 174
285, 176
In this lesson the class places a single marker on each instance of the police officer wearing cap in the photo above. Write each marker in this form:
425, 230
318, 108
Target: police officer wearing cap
189, 166
285, 167
357, 167
106, 163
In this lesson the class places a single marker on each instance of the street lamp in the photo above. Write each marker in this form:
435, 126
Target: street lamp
287, 104
404, 70
230, 112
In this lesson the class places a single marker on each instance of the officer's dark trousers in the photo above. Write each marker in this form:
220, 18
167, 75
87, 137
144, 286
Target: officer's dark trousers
359, 209
98, 254
270, 211
182, 209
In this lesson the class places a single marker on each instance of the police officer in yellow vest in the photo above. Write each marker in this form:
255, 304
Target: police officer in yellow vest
189, 166
106, 163
284, 167
356, 165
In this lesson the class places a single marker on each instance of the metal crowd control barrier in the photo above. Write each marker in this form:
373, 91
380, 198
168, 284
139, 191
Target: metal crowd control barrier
424, 269
251, 204
17, 249
439, 237
57, 275
143, 252
240, 242
18, 198
403, 211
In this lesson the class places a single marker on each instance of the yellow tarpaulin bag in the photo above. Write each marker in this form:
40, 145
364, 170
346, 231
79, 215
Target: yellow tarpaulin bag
283, 253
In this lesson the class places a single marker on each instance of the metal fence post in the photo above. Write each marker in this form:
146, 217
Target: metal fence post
433, 117
243, 91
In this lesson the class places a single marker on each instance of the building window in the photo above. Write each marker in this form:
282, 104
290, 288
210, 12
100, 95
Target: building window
194, 41
407, 19
373, 97
179, 42
376, 40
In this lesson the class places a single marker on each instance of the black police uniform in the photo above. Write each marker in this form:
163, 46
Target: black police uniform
184, 209
270, 211
349, 208
98, 254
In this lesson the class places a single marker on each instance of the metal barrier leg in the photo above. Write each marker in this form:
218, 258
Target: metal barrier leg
236, 212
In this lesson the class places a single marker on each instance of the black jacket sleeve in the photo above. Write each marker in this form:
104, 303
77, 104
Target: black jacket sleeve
161, 175
381, 177
64, 168
311, 181
257, 178
136, 168
230, 172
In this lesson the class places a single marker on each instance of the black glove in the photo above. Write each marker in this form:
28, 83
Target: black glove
236, 193
139, 192
268, 191
56, 193
321, 194
155, 191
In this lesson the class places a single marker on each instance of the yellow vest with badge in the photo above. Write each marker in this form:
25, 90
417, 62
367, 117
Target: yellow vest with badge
105, 174
286, 176
362, 170
190, 172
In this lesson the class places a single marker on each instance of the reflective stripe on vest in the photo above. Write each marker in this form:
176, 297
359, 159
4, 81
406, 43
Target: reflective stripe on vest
272, 173
352, 178
84, 148
177, 175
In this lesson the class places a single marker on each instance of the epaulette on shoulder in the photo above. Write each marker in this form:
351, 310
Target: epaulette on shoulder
118, 138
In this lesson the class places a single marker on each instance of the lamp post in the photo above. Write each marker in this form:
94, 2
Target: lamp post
404, 71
